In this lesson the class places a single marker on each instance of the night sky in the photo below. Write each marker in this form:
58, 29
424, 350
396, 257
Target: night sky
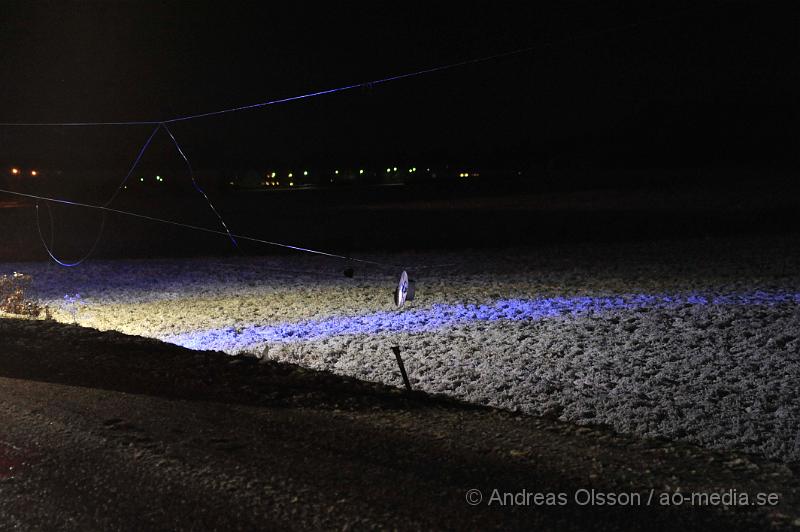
690, 84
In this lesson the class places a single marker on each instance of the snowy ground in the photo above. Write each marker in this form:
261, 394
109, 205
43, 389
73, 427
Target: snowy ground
696, 341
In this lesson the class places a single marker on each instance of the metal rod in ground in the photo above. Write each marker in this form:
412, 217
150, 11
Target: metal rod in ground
402, 367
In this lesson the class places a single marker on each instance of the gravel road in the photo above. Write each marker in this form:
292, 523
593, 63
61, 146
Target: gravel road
104, 431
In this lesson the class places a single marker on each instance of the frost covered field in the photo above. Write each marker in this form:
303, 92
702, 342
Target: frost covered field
696, 341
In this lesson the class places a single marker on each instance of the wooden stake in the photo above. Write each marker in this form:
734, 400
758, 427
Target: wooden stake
402, 367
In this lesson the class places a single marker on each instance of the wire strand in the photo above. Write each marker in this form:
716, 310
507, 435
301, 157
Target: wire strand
80, 124
198, 187
159, 124
527, 49
133, 166
193, 227
49, 249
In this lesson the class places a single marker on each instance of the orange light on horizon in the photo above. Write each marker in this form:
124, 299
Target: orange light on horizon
34, 173
15, 171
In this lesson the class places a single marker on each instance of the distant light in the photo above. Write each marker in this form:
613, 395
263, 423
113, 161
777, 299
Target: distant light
336, 172
291, 183
230, 183
305, 172
34, 173
388, 170
272, 174
414, 169
395, 168
15, 171
361, 171
290, 174
141, 179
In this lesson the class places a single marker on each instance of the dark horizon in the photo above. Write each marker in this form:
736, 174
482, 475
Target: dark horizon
683, 86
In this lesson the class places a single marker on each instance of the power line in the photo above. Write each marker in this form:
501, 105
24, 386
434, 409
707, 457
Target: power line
163, 124
101, 229
190, 226
197, 186
397, 77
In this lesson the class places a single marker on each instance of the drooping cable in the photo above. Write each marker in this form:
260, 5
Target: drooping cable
50, 251
50, 248
159, 124
193, 227
198, 187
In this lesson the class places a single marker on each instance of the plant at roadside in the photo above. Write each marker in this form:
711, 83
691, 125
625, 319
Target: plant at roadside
74, 305
13, 299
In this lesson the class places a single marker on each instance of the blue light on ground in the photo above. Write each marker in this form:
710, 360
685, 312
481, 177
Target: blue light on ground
442, 316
